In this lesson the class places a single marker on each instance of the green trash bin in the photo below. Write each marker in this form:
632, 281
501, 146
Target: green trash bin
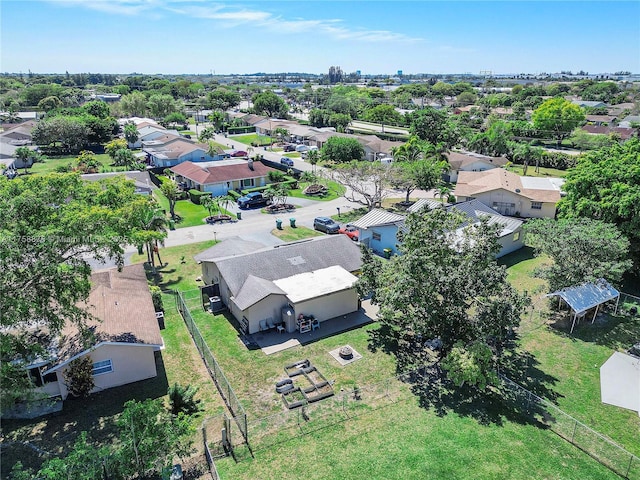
387, 252
239, 215
172, 225
278, 224
292, 222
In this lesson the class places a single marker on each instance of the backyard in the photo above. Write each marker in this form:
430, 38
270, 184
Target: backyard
402, 434
52, 163
467, 431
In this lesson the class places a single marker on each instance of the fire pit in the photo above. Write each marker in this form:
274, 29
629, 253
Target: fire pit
346, 353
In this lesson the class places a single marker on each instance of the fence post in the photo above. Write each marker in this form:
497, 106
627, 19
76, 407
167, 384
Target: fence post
575, 426
629, 467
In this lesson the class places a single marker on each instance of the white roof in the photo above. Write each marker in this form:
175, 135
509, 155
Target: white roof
541, 183
620, 381
305, 286
587, 295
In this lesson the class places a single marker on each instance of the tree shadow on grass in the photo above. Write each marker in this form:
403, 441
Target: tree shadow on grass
96, 414
493, 405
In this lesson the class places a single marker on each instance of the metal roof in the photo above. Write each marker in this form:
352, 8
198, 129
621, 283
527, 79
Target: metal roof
587, 295
308, 285
378, 218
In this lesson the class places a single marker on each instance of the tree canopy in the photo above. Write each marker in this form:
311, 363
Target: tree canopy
269, 104
605, 185
445, 288
557, 117
342, 150
49, 225
582, 250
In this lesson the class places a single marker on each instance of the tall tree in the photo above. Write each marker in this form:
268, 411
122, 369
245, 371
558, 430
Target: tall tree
433, 126
269, 104
134, 104
366, 182
161, 105
446, 285
557, 117
342, 150
49, 225
417, 166
25, 155
131, 134
170, 190
582, 250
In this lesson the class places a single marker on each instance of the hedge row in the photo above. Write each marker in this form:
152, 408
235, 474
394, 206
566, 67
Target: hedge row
235, 130
194, 195
291, 181
235, 195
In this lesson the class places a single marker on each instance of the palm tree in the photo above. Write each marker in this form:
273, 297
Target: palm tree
313, 156
152, 230
443, 192
170, 190
224, 201
208, 202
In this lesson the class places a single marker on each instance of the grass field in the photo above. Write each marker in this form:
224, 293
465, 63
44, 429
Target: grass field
288, 234
188, 214
544, 172
50, 164
335, 190
252, 139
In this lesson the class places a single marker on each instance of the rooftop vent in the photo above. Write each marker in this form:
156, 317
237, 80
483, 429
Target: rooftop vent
297, 260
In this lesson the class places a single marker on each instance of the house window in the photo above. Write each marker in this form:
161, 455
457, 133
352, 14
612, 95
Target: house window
536, 205
376, 236
516, 236
247, 182
101, 367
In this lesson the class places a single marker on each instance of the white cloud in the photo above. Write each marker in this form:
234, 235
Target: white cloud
231, 16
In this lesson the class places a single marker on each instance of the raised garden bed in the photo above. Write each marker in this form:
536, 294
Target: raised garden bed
315, 189
218, 219
280, 207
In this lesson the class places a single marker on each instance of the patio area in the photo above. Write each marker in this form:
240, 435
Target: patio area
272, 341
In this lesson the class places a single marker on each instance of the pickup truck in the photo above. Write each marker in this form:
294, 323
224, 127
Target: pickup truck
253, 199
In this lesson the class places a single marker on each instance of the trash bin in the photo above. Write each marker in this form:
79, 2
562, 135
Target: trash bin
292, 222
239, 215
172, 225
386, 253
278, 224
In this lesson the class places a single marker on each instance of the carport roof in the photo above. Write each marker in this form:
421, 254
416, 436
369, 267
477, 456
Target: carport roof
587, 295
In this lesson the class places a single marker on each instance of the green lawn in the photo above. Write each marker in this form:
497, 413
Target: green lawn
188, 214
288, 234
252, 139
544, 171
51, 163
572, 361
350, 215
335, 190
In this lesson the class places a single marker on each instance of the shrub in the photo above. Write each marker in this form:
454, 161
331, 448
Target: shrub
236, 130
79, 376
181, 399
195, 195
234, 194
156, 296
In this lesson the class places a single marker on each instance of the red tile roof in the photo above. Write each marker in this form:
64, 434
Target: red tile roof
220, 173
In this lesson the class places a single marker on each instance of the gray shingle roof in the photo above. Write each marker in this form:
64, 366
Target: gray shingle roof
476, 210
424, 202
228, 248
255, 289
283, 261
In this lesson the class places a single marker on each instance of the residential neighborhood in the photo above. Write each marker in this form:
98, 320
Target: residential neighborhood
310, 269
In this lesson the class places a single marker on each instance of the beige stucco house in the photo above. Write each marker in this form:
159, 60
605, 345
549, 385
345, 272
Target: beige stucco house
510, 194
470, 162
126, 336
278, 284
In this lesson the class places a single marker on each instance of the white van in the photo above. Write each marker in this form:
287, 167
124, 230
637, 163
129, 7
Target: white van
301, 148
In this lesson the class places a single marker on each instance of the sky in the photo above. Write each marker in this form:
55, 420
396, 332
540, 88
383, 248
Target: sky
373, 36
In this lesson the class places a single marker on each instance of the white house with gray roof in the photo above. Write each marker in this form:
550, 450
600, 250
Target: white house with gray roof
309, 277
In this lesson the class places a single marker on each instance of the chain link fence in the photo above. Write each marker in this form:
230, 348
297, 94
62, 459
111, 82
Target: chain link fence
603, 449
216, 373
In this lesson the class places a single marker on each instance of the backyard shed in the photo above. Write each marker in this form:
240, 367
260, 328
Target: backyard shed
582, 298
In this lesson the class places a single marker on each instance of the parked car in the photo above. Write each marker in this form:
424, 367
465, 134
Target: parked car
302, 148
253, 199
289, 148
350, 231
286, 161
239, 153
326, 225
